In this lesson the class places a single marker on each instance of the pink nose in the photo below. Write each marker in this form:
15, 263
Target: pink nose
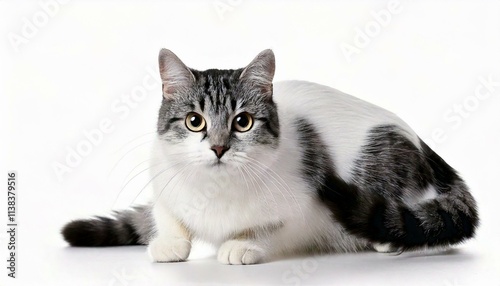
219, 150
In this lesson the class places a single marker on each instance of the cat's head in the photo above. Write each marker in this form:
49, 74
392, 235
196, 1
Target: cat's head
218, 118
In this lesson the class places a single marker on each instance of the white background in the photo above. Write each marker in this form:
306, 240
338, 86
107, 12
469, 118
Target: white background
68, 67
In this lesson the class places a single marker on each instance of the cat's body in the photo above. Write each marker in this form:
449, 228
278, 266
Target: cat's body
317, 170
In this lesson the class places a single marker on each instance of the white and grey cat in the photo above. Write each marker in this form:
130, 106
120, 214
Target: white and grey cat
262, 170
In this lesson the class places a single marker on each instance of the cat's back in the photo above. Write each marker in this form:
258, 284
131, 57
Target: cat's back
314, 100
342, 121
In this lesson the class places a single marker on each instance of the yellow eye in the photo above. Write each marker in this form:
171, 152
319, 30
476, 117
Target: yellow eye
195, 122
243, 122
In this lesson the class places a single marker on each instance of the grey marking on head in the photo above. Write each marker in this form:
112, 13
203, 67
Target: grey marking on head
218, 94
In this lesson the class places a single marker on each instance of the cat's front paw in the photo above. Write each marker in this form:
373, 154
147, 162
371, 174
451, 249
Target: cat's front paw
240, 252
384, 247
169, 249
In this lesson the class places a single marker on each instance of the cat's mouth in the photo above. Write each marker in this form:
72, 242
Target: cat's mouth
226, 162
217, 163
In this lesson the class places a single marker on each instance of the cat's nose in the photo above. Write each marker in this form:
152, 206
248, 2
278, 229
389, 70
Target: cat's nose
219, 150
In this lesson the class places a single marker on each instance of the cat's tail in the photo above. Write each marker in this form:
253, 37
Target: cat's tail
128, 227
448, 217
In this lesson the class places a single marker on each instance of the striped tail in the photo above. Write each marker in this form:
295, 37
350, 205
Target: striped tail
127, 227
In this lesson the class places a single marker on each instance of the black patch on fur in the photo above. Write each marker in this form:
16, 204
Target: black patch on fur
342, 198
389, 168
444, 174
226, 83
217, 102
414, 233
448, 230
202, 104
169, 123
273, 130
376, 221
174, 119
211, 100
224, 98
389, 163
233, 104
207, 88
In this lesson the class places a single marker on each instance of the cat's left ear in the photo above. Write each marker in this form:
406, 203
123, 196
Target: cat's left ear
175, 75
260, 73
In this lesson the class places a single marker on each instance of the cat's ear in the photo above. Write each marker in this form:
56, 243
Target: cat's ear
175, 75
260, 72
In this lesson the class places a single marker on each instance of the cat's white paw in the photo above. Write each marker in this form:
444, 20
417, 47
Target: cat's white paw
240, 252
384, 247
169, 249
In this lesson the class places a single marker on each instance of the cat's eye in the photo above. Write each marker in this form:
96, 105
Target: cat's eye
243, 122
195, 122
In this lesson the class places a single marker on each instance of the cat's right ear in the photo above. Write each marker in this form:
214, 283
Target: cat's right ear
260, 72
175, 75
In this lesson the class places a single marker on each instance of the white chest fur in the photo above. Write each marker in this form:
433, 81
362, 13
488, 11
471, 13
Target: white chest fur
217, 204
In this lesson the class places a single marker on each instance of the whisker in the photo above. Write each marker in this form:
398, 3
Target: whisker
133, 169
191, 172
128, 152
274, 176
255, 175
144, 187
136, 138
169, 181
243, 176
162, 162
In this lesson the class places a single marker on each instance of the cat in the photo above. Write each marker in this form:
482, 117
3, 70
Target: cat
264, 170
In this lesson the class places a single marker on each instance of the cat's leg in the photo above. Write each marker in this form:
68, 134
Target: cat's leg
241, 251
173, 240
247, 247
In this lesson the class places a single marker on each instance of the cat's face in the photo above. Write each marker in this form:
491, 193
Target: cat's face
218, 118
